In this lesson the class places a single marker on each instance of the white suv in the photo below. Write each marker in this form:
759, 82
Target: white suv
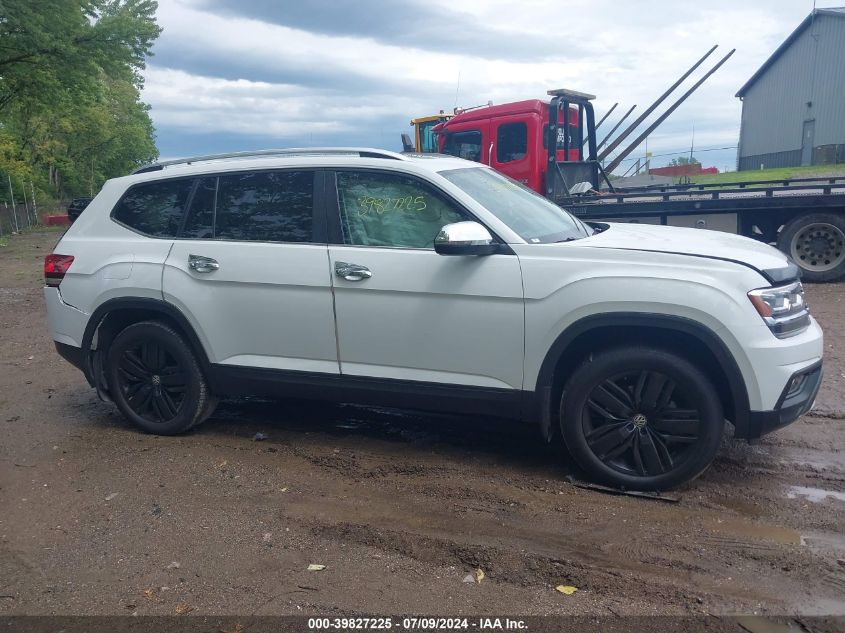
433, 283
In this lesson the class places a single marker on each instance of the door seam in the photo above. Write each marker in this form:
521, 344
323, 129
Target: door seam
163, 268
334, 311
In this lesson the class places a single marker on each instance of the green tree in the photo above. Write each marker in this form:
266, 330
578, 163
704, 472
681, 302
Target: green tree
70, 76
684, 160
49, 45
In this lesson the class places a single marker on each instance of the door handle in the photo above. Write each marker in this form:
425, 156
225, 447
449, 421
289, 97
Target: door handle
490, 154
200, 264
351, 272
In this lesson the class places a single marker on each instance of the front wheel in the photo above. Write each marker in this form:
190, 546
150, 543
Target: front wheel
641, 418
155, 379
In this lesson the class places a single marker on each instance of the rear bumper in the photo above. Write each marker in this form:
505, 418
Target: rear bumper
792, 404
71, 354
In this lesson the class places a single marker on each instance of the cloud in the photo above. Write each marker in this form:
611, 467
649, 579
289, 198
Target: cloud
409, 24
259, 73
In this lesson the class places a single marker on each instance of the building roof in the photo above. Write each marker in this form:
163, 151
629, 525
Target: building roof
832, 11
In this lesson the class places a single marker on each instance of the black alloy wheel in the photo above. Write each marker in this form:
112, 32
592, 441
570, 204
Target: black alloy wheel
640, 423
641, 418
151, 381
155, 379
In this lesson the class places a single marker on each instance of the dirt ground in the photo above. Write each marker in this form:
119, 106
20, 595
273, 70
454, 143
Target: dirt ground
97, 518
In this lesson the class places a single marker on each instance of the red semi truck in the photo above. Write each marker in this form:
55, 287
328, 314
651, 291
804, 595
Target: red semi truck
510, 138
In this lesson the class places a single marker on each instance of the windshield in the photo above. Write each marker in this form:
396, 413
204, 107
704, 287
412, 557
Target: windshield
528, 214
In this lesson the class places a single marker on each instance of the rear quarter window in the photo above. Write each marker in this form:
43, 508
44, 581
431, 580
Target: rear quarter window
270, 206
154, 208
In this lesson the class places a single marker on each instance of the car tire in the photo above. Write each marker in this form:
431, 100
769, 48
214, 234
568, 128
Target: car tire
816, 243
641, 418
155, 380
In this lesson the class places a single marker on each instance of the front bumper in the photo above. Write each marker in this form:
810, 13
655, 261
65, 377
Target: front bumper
792, 404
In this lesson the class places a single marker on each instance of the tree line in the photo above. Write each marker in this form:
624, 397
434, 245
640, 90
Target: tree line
71, 114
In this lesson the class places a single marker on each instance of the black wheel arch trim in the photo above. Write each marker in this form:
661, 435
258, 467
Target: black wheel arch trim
138, 303
541, 409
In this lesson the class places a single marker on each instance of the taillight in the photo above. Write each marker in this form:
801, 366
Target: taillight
55, 267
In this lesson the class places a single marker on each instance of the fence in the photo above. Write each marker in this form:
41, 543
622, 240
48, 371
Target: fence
19, 210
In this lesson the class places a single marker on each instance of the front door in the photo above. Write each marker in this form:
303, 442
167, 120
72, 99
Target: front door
405, 313
250, 272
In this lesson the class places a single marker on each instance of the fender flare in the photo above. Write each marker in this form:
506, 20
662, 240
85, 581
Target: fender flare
138, 303
702, 333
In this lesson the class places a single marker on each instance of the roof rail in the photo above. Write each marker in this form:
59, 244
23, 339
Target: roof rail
363, 152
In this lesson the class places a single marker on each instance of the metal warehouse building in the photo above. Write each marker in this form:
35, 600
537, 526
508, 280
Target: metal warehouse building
793, 107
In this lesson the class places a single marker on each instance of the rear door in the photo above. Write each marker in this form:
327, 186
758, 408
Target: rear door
250, 274
514, 147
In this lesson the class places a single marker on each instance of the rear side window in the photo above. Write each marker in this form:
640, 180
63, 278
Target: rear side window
200, 222
271, 206
154, 208
511, 142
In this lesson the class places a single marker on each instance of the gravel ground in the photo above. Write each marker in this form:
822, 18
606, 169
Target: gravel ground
97, 518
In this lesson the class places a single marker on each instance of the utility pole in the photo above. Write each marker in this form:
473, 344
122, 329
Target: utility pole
692, 143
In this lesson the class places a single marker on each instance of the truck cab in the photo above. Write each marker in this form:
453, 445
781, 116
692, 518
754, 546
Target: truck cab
512, 138
425, 141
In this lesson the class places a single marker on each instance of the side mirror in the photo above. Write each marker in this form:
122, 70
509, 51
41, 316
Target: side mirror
465, 238
407, 145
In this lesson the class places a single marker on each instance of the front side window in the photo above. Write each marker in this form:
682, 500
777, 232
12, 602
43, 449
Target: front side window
155, 208
511, 142
379, 209
464, 145
270, 206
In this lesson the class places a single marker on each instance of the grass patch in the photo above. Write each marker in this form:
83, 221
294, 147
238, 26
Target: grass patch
781, 173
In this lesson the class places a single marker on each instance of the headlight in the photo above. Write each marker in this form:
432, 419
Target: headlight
782, 308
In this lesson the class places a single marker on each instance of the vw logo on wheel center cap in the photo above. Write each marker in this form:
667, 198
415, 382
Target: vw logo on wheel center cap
639, 420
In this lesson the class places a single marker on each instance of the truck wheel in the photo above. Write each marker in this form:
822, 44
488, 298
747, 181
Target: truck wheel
641, 418
155, 379
816, 241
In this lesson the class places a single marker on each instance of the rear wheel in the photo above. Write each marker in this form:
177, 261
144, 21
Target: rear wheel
155, 379
641, 418
816, 242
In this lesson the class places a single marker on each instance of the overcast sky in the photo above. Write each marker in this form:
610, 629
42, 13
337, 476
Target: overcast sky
232, 75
